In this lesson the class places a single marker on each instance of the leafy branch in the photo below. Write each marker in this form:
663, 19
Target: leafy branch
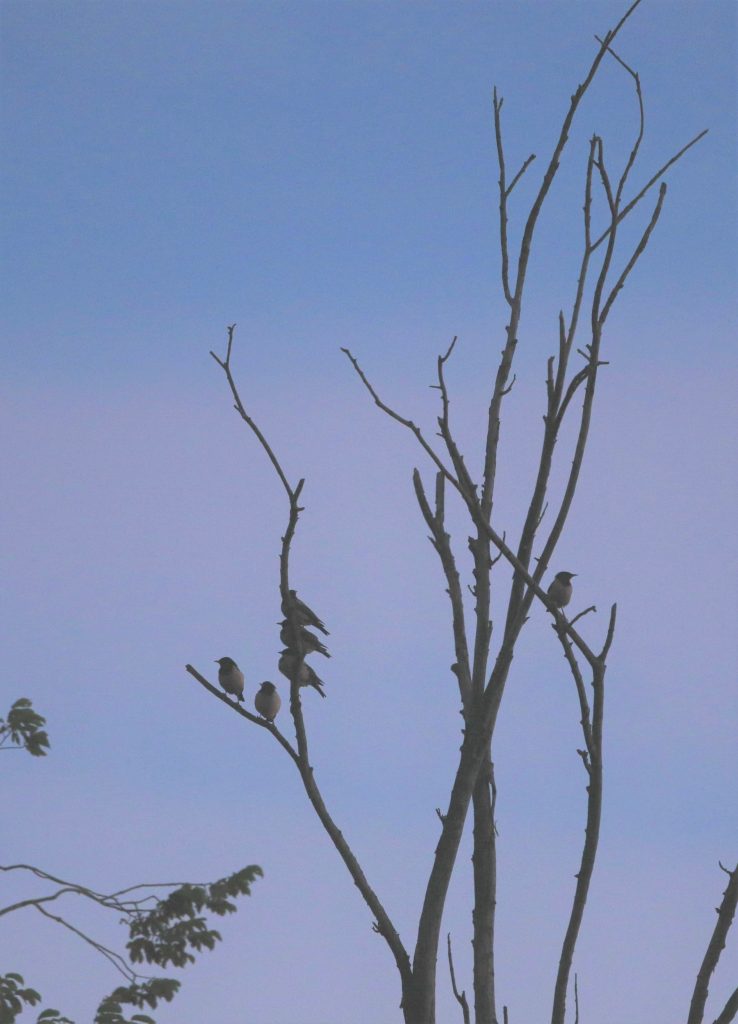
167, 925
23, 729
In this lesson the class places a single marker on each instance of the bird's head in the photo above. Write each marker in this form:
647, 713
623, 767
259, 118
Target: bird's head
565, 577
267, 687
225, 663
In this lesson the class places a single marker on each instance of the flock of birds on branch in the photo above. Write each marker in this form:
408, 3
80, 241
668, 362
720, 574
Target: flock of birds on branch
299, 642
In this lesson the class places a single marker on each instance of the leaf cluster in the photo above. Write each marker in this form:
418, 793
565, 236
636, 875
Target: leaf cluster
166, 933
13, 994
23, 727
163, 934
147, 993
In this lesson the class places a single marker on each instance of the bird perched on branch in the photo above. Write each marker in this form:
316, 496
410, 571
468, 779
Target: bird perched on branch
230, 677
267, 701
310, 642
290, 664
560, 590
304, 616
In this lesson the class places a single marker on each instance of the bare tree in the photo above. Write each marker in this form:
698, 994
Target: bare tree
481, 668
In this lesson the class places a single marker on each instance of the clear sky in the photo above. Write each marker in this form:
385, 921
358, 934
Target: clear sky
323, 174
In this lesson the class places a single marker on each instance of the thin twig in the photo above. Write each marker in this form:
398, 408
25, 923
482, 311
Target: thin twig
610, 633
442, 543
405, 422
528, 161
649, 184
115, 958
636, 254
460, 996
504, 192
580, 615
641, 121
457, 458
226, 366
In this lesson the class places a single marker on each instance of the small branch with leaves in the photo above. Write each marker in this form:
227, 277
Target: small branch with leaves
23, 729
166, 923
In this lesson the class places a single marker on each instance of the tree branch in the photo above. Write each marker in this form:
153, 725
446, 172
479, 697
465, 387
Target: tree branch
441, 541
405, 422
636, 254
729, 1011
300, 757
226, 366
457, 459
593, 765
526, 164
115, 958
649, 184
725, 913
576, 673
263, 723
504, 193
459, 996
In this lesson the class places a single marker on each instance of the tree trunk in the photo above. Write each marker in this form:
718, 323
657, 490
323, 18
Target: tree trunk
484, 859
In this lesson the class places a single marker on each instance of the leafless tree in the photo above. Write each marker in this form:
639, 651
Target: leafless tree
481, 668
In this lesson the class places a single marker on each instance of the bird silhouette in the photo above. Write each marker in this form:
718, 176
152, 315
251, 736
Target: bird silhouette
310, 642
560, 589
267, 701
230, 677
304, 615
290, 665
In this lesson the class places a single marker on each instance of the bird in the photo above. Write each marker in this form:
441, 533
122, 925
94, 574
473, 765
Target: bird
267, 701
230, 677
309, 641
304, 616
290, 664
560, 589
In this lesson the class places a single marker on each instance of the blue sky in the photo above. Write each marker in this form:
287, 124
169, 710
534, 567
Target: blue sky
324, 174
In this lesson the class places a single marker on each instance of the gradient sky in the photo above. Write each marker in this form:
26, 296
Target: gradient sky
323, 174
